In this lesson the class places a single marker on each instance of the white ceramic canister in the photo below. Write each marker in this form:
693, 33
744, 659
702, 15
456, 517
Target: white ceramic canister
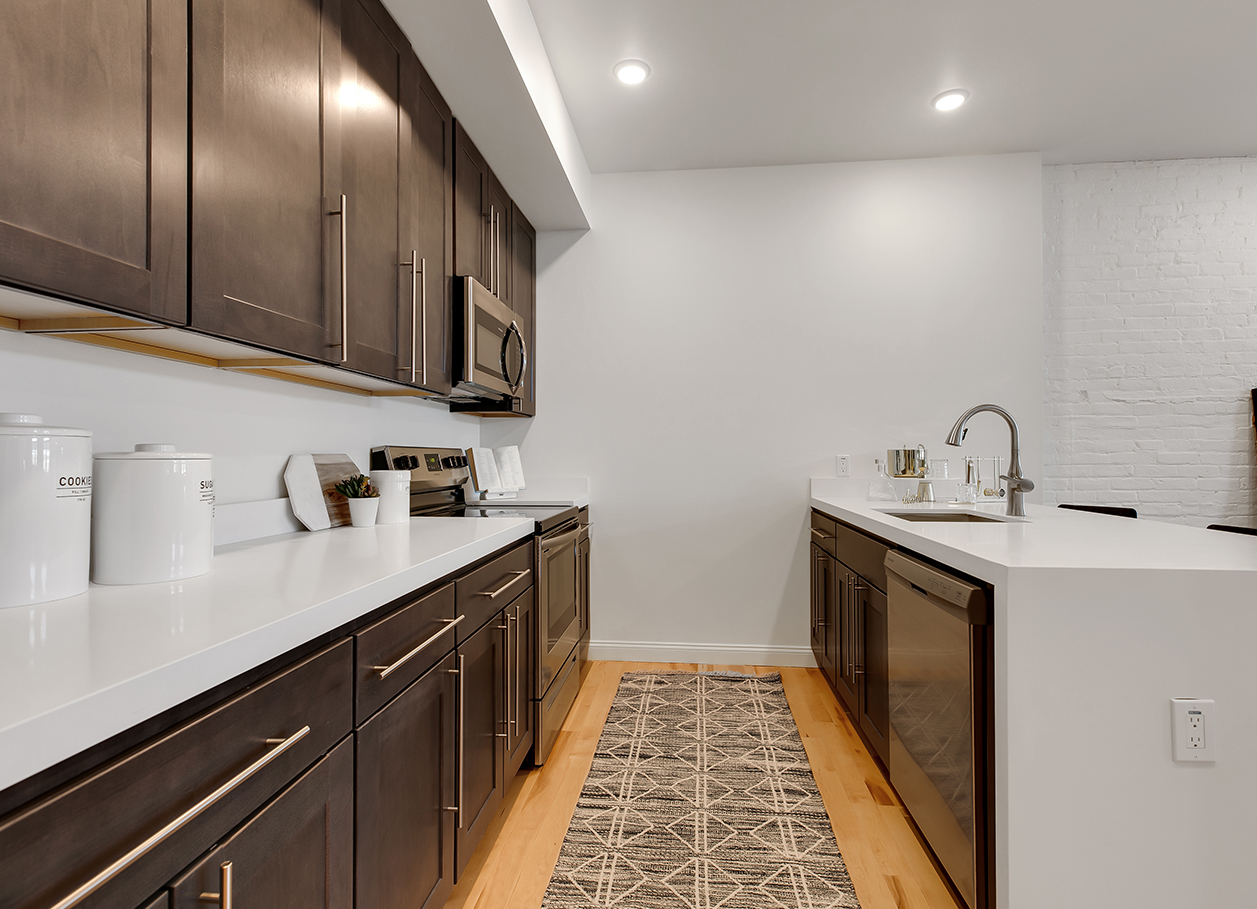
153, 516
45, 510
394, 487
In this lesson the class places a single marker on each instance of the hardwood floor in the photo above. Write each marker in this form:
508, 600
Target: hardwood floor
889, 866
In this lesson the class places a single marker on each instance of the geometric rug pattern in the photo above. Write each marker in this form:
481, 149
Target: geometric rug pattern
700, 796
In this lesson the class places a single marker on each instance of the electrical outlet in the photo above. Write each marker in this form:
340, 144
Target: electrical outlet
842, 466
1194, 728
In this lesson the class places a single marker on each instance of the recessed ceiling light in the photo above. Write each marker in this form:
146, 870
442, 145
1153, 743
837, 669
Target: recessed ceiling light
631, 72
950, 99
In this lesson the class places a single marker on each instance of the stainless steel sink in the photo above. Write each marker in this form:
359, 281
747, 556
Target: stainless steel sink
949, 517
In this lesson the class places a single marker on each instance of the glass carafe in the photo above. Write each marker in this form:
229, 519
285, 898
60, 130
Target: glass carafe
881, 489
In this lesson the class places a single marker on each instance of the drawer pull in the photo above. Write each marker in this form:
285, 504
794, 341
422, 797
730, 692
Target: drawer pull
223, 896
516, 575
178, 823
822, 534
386, 671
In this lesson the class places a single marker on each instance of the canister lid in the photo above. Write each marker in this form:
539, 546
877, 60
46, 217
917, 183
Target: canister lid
29, 424
153, 451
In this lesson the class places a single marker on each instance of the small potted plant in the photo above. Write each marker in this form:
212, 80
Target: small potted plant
364, 499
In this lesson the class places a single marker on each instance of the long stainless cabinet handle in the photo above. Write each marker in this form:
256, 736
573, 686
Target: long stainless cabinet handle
423, 319
344, 280
458, 681
386, 671
462, 736
516, 575
178, 823
512, 678
821, 534
858, 620
414, 312
505, 628
223, 896
850, 671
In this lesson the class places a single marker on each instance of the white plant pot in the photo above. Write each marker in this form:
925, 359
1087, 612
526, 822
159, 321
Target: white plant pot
362, 512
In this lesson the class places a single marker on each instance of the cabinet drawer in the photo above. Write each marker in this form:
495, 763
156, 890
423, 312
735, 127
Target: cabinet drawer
864, 555
254, 741
482, 593
823, 531
400, 647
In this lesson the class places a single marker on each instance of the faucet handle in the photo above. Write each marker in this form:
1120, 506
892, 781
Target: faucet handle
1020, 484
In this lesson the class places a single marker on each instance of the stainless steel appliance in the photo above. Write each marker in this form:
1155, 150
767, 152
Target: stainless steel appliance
492, 356
437, 478
941, 715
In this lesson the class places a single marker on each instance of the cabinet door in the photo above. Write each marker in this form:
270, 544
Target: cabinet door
93, 152
848, 683
406, 757
819, 588
873, 668
523, 288
297, 851
265, 138
375, 140
500, 231
482, 735
431, 222
521, 670
582, 587
471, 209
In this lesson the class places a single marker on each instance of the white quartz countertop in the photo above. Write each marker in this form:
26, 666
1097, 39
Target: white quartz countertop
1046, 538
75, 672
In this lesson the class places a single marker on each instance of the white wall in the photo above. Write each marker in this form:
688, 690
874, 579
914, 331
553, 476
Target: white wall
250, 424
1150, 346
720, 335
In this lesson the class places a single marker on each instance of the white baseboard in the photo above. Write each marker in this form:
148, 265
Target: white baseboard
672, 652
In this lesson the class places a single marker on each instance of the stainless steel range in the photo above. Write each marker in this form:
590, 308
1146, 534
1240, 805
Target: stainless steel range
438, 477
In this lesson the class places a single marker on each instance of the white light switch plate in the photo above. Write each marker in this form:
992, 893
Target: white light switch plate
1194, 728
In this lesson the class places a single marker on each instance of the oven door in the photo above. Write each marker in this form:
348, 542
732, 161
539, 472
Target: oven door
494, 356
558, 612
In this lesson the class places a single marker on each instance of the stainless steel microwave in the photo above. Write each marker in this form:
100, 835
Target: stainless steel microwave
493, 355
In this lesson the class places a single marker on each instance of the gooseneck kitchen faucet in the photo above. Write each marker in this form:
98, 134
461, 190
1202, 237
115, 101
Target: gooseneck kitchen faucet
1018, 485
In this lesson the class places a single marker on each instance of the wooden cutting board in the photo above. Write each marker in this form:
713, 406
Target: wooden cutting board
311, 481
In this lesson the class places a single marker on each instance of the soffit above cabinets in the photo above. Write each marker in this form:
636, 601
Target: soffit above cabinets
742, 82
521, 127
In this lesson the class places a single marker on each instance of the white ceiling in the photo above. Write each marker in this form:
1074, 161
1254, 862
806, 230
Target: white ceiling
753, 82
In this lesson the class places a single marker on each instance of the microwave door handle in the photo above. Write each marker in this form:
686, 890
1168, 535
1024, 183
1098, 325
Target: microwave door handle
506, 340
523, 359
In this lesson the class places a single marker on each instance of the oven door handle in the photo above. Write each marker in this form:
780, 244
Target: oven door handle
562, 539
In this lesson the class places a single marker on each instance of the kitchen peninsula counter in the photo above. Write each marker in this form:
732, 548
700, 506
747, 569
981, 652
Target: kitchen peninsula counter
75, 672
1099, 622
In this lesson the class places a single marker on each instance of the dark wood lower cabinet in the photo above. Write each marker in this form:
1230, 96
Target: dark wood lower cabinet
521, 671
482, 745
297, 851
874, 712
849, 625
161, 901
824, 612
406, 760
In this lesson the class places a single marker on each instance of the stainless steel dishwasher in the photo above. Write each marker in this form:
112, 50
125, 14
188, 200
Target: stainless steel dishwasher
940, 713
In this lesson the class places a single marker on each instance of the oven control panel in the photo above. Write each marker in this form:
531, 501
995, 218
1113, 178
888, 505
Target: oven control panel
429, 467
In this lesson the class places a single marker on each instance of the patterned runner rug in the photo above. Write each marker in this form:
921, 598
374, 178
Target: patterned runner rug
701, 796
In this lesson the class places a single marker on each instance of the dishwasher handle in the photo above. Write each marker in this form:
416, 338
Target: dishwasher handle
944, 590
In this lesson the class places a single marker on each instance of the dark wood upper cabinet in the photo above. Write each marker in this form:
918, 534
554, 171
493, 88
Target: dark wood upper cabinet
297, 851
406, 760
472, 179
378, 187
266, 148
431, 215
93, 152
499, 240
523, 286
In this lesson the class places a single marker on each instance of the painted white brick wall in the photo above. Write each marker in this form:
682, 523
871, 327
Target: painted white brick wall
1150, 336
